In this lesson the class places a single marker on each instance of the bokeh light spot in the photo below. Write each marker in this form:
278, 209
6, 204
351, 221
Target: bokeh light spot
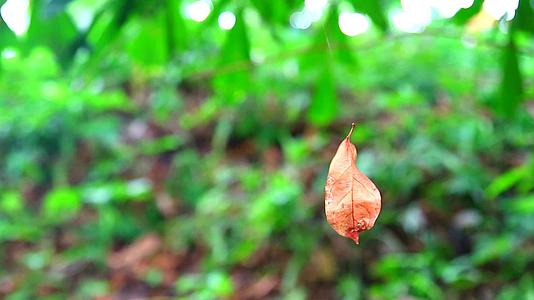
15, 14
499, 8
199, 10
353, 24
226, 20
300, 20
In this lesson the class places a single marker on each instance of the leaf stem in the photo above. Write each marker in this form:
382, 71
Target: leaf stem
351, 130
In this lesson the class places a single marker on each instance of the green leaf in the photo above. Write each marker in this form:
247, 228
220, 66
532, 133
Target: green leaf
160, 145
521, 205
324, 105
492, 248
56, 31
465, 14
275, 11
177, 32
188, 283
146, 41
524, 19
220, 283
118, 190
107, 24
11, 203
350, 287
233, 80
375, 10
61, 204
505, 181
92, 288
511, 93
7, 37
524, 289
329, 45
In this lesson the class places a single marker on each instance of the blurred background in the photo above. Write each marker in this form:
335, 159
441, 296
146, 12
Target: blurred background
179, 149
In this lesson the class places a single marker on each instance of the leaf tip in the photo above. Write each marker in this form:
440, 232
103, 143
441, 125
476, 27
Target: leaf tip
353, 235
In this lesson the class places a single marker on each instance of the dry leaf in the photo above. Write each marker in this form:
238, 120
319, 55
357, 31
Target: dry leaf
133, 254
352, 201
259, 289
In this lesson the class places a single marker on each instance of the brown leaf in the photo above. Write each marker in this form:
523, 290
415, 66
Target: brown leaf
259, 289
133, 254
352, 201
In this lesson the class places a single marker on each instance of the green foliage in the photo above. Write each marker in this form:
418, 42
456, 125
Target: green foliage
511, 83
324, 105
213, 285
465, 14
61, 204
232, 86
122, 120
375, 10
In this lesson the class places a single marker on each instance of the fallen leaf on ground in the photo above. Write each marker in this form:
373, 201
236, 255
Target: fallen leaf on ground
143, 247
